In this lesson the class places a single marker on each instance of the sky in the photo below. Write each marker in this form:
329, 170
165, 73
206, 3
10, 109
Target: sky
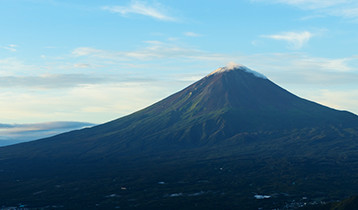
95, 61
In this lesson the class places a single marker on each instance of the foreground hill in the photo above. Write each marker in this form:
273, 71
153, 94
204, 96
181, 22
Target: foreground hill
216, 144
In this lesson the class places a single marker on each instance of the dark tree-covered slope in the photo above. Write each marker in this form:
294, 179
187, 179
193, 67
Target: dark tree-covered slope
214, 145
221, 106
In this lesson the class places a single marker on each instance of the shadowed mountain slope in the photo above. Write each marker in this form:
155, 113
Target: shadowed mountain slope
221, 106
212, 145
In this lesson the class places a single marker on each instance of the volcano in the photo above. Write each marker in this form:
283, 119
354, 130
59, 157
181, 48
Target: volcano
218, 143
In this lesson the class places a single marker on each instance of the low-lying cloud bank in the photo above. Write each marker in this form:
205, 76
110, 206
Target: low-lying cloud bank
16, 133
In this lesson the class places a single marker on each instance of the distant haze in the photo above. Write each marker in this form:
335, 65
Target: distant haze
16, 133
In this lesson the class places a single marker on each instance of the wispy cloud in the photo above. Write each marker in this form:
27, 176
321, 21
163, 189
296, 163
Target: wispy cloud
141, 8
11, 66
55, 81
341, 8
292, 68
192, 34
153, 50
312, 4
50, 81
351, 13
10, 47
296, 40
81, 51
82, 65
298, 67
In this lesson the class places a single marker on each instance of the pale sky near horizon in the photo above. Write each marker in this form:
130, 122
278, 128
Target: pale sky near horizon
95, 61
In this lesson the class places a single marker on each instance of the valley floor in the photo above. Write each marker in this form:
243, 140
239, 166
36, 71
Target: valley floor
228, 183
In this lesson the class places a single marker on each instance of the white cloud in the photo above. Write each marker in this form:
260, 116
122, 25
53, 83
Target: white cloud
56, 81
154, 42
99, 53
12, 66
312, 4
351, 13
328, 65
50, 81
115, 90
189, 78
82, 65
296, 40
10, 47
153, 51
299, 68
82, 51
192, 34
287, 67
141, 8
340, 8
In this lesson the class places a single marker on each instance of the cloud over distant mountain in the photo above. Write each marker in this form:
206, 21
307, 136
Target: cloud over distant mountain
15, 133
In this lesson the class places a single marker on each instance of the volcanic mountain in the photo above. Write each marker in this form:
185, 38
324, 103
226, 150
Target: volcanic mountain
232, 129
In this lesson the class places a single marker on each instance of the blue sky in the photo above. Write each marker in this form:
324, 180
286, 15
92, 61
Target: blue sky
94, 61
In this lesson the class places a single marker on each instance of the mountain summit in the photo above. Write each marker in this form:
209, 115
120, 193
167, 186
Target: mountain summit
237, 67
223, 105
232, 133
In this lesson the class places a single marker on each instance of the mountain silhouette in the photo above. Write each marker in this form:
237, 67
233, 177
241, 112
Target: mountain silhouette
232, 118
221, 106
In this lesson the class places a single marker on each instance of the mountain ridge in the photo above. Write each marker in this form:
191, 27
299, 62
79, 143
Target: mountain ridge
213, 145
219, 106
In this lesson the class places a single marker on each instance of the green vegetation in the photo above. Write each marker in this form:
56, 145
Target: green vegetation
214, 145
